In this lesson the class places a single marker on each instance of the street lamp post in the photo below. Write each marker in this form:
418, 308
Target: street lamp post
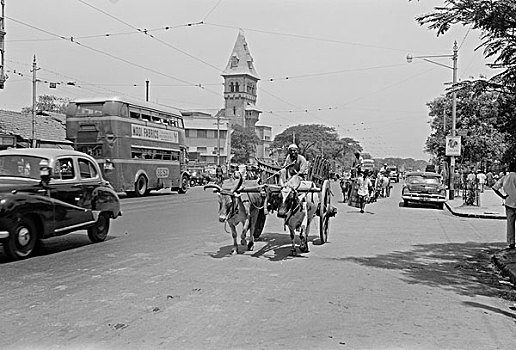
454, 57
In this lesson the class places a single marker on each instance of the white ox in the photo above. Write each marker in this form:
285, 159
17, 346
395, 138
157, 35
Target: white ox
245, 209
298, 210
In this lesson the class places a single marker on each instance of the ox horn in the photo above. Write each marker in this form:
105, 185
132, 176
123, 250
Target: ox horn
214, 186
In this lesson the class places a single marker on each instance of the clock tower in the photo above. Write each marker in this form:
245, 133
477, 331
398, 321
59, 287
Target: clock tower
240, 86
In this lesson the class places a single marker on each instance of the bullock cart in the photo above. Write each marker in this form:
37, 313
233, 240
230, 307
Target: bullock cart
298, 202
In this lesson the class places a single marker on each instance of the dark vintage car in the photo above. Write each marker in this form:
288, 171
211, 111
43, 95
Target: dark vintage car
423, 187
51, 192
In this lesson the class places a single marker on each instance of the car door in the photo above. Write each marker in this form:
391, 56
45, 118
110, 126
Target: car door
65, 188
90, 179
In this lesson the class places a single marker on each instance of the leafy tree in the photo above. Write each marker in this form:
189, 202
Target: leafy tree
317, 139
48, 103
243, 144
496, 21
477, 116
308, 138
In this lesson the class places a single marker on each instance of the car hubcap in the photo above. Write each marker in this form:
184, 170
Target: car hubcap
23, 236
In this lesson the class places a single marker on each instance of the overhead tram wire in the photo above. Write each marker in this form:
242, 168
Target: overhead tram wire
212, 9
81, 84
107, 35
308, 37
146, 33
72, 40
333, 72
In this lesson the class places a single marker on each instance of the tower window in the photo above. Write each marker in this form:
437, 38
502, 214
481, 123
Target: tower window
232, 87
237, 87
234, 110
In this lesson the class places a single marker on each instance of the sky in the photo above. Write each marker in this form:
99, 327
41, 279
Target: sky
340, 63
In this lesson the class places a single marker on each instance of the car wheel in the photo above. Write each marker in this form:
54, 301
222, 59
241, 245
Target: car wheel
99, 231
405, 203
22, 240
183, 186
140, 186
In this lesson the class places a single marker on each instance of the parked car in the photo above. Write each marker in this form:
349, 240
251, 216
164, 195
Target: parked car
423, 187
393, 173
51, 192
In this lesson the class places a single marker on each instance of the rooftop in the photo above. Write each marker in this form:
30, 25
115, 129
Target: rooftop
47, 126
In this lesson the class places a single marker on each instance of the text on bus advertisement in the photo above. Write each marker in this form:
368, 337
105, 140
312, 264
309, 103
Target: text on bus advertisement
149, 133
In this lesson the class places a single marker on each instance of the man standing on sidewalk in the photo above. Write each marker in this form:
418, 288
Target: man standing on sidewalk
505, 187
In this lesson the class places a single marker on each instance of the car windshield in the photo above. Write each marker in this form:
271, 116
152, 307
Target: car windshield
20, 166
415, 179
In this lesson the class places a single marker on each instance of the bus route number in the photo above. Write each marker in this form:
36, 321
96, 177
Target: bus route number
162, 172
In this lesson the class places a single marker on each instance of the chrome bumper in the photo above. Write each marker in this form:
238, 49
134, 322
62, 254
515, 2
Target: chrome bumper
4, 234
423, 198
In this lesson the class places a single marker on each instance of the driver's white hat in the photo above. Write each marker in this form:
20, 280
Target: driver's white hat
293, 146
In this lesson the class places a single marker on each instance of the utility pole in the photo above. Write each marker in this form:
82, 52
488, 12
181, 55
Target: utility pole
2, 48
34, 81
454, 119
218, 138
454, 105
147, 90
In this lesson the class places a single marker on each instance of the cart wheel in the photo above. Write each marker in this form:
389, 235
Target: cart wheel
324, 211
260, 223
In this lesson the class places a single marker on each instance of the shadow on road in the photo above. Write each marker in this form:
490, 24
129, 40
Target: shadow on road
464, 268
491, 308
277, 247
56, 245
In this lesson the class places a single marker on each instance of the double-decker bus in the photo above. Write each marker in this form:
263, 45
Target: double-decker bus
140, 146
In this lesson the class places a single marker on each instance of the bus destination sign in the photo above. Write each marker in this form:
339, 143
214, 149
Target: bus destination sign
155, 134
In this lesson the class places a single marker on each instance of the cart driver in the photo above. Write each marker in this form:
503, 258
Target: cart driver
295, 164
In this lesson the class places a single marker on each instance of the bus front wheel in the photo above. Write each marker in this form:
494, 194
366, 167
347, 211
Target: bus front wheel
141, 186
183, 186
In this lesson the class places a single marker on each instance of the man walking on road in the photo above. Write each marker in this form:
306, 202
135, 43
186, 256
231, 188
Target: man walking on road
364, 185
505, 187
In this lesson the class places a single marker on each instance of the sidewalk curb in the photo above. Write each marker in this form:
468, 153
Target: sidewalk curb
506, 265
474, 215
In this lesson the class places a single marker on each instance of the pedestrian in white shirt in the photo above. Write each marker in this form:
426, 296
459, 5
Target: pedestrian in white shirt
505, 187
481, 179
364, 184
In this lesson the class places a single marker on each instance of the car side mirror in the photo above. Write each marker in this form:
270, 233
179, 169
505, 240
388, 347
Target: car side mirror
44, 172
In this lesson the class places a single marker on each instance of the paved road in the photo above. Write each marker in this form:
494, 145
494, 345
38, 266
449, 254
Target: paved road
392, 277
